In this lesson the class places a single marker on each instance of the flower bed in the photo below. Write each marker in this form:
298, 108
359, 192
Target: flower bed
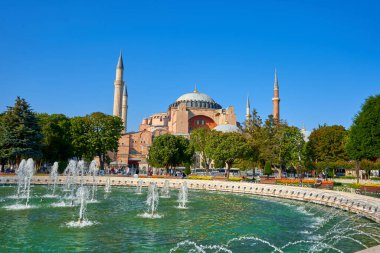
370, 188
157, 176
200, 177
266, 180
235, 179
304, 181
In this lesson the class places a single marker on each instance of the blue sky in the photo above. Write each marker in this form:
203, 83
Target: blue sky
61, 55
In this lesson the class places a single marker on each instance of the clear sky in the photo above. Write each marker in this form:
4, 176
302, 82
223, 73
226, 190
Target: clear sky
61, 55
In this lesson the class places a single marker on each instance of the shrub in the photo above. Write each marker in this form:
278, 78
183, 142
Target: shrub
267, 169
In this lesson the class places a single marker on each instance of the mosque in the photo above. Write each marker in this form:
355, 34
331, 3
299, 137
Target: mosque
188, 112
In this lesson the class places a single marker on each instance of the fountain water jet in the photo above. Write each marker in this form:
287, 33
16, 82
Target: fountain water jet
183, 196
93, 170
107, 187
53, 179
54, 175
139, 187
82, 195
20, 176
25, 173
28, 174
165, 192
152, 202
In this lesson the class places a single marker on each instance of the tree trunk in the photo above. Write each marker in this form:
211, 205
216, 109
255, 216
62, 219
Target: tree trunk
101, 161
357, 170
228, 170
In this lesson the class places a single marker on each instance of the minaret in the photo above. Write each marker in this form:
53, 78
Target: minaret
247, 113
118, 87
276, 99
124, 107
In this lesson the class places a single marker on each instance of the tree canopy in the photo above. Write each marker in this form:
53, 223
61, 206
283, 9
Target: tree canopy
327, 144
198, 139
227, 148
95, 135
364, 134
56, 144
170, 151
20, 133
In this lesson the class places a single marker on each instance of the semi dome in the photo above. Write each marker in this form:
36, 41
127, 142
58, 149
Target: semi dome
227, 128
196, 99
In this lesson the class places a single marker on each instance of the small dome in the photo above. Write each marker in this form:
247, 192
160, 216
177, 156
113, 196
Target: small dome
227, 128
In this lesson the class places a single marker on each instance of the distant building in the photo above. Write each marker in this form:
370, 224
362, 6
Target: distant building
188, 112
305, 134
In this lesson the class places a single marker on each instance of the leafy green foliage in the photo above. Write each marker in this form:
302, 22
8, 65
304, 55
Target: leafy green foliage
227, 148
198, 139
20, 133
170, 151
56, 145
327, 144
267, 169
277, 143
95, 135
364, 134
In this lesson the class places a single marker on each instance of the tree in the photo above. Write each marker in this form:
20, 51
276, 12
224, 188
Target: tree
267, 169
185, 152
79, 129
56, 144
292, 149
364, 134
20, 133
227, 148
170, 151
327, 144
198, 139
95, 135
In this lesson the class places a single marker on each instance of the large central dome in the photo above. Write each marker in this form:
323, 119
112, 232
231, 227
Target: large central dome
195, 96
196, 99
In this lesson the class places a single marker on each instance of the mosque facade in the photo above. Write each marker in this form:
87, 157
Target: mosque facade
188, 112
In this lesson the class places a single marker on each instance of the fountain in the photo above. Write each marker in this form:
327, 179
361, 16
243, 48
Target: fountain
53, 179
25, 173
284, 225
80, 171
20, 177
93, 171
183, 196
139, 187
165, 191
82, 196
152, 202
29, 171
70, 173
54, 176
107, 187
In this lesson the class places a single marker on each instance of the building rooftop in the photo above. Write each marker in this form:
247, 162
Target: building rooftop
227, 128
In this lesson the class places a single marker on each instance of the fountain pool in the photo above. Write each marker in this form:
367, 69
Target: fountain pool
212, 222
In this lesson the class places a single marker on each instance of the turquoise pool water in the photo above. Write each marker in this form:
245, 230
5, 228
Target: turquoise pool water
213, 222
